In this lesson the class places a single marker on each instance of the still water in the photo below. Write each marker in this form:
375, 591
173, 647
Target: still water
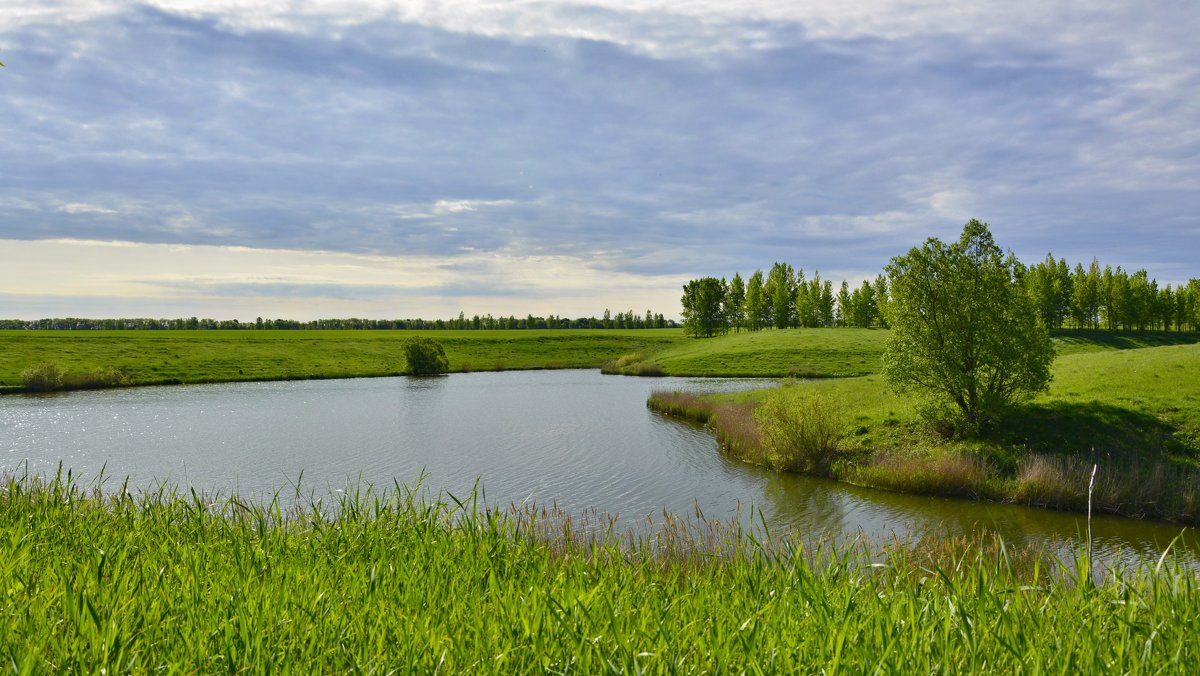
575, 439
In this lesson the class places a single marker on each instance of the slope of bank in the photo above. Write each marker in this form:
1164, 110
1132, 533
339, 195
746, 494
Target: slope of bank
800, 353
841, 352
160, 357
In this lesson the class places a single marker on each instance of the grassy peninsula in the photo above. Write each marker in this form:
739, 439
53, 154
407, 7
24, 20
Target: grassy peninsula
1127, 402
385, 582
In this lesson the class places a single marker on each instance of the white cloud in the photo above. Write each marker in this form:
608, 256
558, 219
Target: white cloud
421, 211
81, 208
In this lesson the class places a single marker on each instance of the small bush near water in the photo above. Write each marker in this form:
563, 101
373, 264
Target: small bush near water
388, 582
801, 430
48, 377
631, 365
45, 377
425, 357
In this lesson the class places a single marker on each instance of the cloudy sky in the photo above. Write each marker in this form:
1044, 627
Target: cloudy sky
235, 158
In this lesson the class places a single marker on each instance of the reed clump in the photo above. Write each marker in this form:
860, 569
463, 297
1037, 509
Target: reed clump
44, 377
733, 423
953, 473
682, 404
632, 364
1051, 481
1146, 488
49, 377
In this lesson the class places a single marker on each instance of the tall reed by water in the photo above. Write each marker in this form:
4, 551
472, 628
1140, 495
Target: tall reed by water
391, 581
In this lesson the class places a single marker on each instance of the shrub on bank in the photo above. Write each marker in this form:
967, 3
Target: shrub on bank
45, 377
801, 430
425, 357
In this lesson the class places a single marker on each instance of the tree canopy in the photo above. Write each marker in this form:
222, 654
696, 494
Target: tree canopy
964, 329
704, 307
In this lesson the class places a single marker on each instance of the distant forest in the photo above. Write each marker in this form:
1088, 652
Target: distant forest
1065, 297
621, 320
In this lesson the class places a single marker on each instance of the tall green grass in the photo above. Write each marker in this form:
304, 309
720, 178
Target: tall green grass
391, 582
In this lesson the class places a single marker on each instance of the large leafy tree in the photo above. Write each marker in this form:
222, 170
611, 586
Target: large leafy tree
964, 332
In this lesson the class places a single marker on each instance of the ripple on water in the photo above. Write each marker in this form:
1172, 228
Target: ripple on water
572, 438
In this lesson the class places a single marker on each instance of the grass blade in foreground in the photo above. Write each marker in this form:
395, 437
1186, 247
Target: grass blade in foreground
392, 582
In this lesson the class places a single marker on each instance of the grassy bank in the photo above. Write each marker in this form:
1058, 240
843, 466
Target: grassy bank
179, 584
107, 358
1134, 412
801, 353
825, 353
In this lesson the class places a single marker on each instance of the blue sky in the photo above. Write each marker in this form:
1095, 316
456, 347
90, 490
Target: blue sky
370, 158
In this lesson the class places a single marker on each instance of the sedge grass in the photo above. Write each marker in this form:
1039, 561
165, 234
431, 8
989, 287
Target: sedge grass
389, 582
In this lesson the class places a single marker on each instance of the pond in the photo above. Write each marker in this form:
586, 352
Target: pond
575, 439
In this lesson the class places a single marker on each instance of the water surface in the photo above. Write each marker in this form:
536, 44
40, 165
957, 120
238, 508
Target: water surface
575, 439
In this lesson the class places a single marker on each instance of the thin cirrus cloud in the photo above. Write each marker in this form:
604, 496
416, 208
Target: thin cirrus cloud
652, 140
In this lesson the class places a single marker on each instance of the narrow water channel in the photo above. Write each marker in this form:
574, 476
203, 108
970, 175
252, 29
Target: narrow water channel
575, 439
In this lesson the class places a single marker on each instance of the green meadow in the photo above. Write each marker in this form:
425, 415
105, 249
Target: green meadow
801, 353
164, 357
825, 353
380, 582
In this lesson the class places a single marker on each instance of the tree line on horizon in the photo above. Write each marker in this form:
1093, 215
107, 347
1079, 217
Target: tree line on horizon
1065, 297
619, 320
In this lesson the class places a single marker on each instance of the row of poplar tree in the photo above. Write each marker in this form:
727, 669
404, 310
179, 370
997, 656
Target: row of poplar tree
1065, 297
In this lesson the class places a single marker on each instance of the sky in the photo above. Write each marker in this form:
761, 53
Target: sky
237, 158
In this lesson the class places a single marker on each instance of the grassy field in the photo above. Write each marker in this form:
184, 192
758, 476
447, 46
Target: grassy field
165, 583
789, 352
156, 357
